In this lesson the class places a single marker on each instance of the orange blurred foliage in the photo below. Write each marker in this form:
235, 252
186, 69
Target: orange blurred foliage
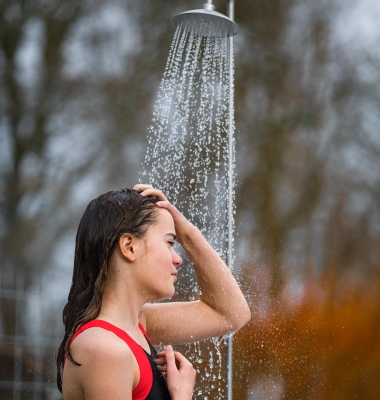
321, 342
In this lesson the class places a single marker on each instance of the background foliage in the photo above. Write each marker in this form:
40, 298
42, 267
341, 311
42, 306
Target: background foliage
77, 83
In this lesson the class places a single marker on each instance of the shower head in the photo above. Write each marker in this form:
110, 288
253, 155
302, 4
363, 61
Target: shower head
206, 22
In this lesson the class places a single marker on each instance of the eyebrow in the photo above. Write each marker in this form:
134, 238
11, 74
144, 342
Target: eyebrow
172, 234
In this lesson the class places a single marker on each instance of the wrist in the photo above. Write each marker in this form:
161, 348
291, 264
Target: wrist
182, 396
189, 235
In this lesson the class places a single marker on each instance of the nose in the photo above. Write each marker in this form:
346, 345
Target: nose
177, 260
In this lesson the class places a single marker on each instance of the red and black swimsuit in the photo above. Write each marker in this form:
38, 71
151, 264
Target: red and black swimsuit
152, 384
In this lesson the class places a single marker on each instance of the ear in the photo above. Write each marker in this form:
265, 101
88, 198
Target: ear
127, 247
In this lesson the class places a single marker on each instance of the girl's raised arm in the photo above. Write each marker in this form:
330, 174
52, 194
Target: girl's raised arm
222, 307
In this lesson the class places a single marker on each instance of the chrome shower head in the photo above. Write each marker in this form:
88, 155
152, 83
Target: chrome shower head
206, 22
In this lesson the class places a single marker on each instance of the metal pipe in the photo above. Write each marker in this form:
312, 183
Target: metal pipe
208, 6
230, 6
231, 9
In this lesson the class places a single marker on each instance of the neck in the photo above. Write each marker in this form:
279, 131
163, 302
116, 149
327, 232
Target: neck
121, 303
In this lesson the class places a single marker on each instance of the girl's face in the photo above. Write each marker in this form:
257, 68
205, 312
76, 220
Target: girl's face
161, 260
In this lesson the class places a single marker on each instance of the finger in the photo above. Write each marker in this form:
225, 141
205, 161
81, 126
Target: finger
142, 186
163, 369
169, 206
170, 358
182, 361
154, 192
160, 361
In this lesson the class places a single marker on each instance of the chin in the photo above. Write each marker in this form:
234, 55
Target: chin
168, 295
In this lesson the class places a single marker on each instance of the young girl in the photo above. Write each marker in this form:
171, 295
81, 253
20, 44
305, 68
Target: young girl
124, 261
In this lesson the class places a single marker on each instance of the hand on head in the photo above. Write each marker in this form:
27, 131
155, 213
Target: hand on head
182, 225
179, 372
148, 190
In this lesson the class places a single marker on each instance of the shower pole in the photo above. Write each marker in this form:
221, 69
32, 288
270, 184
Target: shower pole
230, 14
207, 16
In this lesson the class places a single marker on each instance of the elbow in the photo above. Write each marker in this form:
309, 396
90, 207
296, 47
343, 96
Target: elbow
245, 318
248, 316
242, 319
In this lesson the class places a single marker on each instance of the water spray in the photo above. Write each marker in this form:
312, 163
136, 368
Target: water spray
209, 23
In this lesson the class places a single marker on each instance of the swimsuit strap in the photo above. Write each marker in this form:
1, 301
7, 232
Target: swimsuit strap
143, 388
143, 332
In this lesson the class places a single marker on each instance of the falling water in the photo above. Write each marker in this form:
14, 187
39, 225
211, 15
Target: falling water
187, 158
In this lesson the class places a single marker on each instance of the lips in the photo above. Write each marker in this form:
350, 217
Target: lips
175, 274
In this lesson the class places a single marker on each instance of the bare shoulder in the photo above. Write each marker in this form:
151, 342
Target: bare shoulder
107, 367
97, 343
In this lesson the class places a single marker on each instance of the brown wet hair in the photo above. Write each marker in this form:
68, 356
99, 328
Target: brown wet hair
105, 220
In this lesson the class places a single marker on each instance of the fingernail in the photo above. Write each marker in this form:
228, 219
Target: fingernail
169, 348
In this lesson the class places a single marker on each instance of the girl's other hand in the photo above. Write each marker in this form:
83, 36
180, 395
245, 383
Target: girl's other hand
179, 372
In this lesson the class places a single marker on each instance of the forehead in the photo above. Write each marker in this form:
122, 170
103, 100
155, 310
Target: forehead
164, 221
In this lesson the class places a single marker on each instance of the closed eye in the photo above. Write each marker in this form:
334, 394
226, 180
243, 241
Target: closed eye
171, 243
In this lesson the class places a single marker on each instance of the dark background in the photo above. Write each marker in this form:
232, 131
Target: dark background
78, 80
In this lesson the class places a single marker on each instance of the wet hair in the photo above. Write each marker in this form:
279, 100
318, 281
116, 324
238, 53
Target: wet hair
106, 219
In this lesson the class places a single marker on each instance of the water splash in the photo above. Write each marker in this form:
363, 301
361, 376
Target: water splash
187, 154
187, 158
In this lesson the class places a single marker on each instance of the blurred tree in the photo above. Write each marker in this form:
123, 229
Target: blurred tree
77, 84
300, 110
70, 99
31, 93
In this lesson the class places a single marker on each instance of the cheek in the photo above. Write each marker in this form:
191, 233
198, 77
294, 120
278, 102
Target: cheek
158, 256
